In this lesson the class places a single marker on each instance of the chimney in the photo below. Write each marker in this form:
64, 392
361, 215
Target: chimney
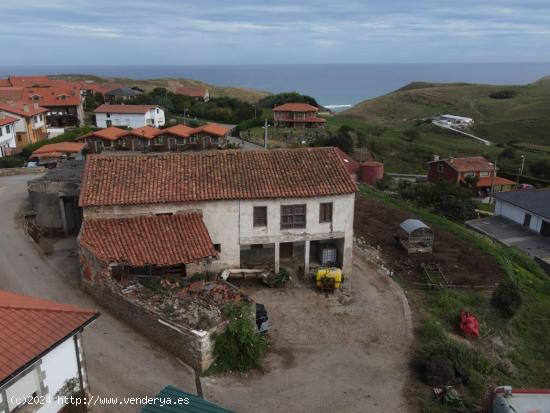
26, 108
451, 158
436, 157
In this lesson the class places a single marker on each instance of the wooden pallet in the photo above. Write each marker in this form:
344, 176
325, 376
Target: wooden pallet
435, 276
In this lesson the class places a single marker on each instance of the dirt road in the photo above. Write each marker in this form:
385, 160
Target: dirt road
120, 361
327, 356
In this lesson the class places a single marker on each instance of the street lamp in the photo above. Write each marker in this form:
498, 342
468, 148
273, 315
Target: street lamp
185, 110
520, 170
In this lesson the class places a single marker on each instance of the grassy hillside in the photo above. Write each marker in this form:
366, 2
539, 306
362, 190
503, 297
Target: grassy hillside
248, 95
523, 116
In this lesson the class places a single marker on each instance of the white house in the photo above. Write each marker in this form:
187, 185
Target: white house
41, 349
7, 134
455, 120
273, 208
31, 121
133, 116
530, 208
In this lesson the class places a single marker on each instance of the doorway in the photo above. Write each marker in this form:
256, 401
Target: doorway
286, 250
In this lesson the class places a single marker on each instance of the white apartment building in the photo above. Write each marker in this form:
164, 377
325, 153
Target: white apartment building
132, 116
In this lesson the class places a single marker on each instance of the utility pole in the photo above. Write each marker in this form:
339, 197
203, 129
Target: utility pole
254, 112
265, 134
520, 170
493, 181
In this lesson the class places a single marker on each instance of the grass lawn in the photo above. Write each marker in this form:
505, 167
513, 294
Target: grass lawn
509, 351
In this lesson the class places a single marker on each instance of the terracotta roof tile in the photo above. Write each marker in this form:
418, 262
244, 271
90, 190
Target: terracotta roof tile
7, 120
295, 107
488, 181
18, 108
54, 96
147, 132
212, 129
29, 81
31, 326
148, 240
67, 147
469, 164
179, 130
230, 174
138, 109
197, 92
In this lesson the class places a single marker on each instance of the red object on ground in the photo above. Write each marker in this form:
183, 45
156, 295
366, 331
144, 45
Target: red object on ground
469, 324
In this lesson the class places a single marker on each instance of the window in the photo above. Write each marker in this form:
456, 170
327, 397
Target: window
325, 212
484, 174
440, 167
158, 111
293, 216
108, 115
1, 131
218, 247
470, 174
8, 129
260, 216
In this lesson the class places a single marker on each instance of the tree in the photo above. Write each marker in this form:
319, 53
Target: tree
411, 134
99, 98
541, 168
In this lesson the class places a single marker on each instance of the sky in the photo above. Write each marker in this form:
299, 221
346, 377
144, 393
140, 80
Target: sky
173, 32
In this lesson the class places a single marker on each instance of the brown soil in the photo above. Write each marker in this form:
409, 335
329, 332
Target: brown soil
460, 262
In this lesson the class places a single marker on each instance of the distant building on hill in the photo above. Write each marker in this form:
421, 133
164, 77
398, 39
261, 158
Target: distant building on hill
133, 116
297, 115
459, 171
452, 120
198, 93
121, 93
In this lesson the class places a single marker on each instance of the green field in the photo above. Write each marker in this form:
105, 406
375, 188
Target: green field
523, 117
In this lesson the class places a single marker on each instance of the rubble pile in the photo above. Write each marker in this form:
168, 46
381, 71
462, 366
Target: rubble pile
198, 305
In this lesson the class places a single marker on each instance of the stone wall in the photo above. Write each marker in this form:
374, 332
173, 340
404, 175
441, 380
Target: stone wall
193, 347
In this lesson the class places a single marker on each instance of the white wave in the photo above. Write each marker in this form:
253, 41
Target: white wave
337, 106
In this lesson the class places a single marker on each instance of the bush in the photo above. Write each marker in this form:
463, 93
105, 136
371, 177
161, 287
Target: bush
503, 94
240, 347
507, 297
13, 161
411, 134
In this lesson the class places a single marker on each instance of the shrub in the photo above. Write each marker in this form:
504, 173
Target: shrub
507, 297
411, 134
503, 94
13, 161
240, 347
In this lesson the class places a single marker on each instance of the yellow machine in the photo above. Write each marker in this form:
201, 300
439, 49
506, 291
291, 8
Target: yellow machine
329, 278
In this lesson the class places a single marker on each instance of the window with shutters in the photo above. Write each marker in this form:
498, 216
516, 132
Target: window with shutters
293, 216
325, 212
260, 216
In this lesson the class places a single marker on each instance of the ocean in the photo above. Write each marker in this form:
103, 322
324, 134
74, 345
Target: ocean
333, 85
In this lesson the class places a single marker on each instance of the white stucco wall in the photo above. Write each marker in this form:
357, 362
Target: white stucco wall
59, 365
230, 223
517, 214
7, 139
132, 120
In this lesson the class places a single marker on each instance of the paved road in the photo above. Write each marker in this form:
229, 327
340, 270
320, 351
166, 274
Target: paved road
120, 361
483, 141
245, 144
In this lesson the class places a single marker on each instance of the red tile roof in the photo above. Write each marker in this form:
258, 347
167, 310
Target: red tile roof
187, 177
11, 94
469, 164
29, 81
31, 326
5, 83
111, 133
295, 107
53, 96
212, 129
351, 164
62, 147
197, 92
148, 240
147, 132
7, 120
18, 108
179, 130
488, 181
138, 109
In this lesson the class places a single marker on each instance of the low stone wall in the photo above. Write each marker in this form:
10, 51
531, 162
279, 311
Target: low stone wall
22, 171
193, 347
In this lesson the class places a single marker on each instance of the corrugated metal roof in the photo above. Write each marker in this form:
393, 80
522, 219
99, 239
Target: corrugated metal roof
195, 405
411, 225
536, 201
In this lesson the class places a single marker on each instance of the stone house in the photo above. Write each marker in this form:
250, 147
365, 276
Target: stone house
267, 208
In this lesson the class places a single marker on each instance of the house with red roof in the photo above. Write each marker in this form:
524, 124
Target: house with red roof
467, 171
297, 115
64, 104
40, 352
197, 93
132, 116
31, 122
53, 153
285, 203
176, 138
7, 134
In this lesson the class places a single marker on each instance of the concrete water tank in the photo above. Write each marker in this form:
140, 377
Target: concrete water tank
372, 172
